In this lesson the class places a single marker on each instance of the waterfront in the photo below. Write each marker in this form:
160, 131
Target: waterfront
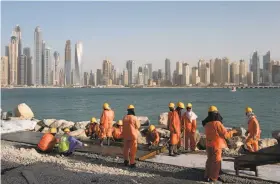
77, 104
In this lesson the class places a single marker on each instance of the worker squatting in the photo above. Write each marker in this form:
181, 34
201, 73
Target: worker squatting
179, 124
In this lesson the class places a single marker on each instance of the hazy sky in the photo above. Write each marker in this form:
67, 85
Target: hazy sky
148, 32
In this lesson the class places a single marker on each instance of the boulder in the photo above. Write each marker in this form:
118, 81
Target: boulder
38, 128
276, 135
23, 111
240, 131
47, 122
62, 124
81, 125
162, 119
197, 137
144, 120
141, 138
77, 133
235, 142
264, 143
45, 130
163, 132
202, 142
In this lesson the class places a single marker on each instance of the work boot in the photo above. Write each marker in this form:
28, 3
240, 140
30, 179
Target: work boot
108, 141
132, 165
170, 150
102, 142
126, 162
176, 150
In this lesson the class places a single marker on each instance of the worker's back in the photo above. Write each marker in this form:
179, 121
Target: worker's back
107, 118
254, 127
215, 132
130, 127
47, 142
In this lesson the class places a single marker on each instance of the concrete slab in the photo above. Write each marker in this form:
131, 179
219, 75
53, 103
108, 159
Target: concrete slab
267, 172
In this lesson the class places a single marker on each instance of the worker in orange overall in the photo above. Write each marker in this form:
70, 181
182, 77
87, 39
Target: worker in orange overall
48, 141
174, 126
92, 129
189, 124
253, 132
180, 107
130, 134
152, 136
215, 141
118, 131
106, 124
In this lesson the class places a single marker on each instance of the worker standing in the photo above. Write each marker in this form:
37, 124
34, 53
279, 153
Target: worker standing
118, 131
215, 141
189, 124
180, 107
130, 135
253, 132
152, 136
67, 144
92, 129
106, 124
174, 127
48, 141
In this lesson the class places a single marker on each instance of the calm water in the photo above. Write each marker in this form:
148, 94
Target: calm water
81, 104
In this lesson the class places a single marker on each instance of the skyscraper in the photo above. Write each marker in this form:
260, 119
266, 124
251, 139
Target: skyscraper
186, 74
179, 68
150, 66
47, 67
38, 56
67, 64
225, 70
86, 78
201, 70
17, 33
167, 70
256, 68
130, 66
212, 74
234, 73
29, 67
4, 70
13, 61
56, 70
125, 77
218, 71
99, 77
140, 76
107, 69
207, 75
78, 63
266, 63
242, 72
7, 50
23, 70
146, 74
61, 78
195, 77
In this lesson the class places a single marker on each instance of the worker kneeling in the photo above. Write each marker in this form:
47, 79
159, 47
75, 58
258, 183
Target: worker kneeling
152, 136
189, 123
215, 141
130, 134
253, 132
118, 131
92, 129
67, 144
48, 141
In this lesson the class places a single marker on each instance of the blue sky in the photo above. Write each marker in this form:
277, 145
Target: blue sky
148, 32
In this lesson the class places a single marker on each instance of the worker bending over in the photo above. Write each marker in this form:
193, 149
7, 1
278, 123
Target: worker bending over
130, 135
92, 129
118, 131
68, 144
106, 124
189, 124
48, 141
174, 127
215, 141
253, 132
180, 107
152, 136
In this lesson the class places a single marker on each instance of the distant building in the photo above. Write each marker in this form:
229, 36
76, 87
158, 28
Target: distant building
78, 63
186, 74
250, 77
38, 52
56, 65
195, 77
207, 75
212, 73
7, 50
67, 63
225, 70
167, 70
131, 68
155, 75
61, 78
13, 61
234, 73
125, 78
201, 70
99, 77
146, 74
86, 78
256, 68
23, 70
242, 72
30, 71
107, 69
179, 68
4, 70
276, 73
150, 67
47, 67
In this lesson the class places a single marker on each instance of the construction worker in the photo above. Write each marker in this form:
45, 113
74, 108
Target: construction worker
152, 136
215, 141
130, 134
92, 129
118, 131
67, 144
48, 141
253, 132
179, 108
189, 124
174, 127
106, 124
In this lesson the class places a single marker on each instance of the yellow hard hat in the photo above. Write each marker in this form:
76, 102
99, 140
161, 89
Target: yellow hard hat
66, 130
130, 107
151, 128
181, 105
189, 105
212, 108
248, 109
120, 123
106, 106
171, 105
53, 130
93, 120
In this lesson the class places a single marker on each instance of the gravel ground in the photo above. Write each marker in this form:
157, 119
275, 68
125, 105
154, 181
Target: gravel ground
91, 168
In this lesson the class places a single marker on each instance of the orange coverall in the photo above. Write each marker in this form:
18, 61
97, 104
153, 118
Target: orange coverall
118, 132
215, 140
130, 135
153, 137
106, 123
47, 142
252, 141
174, 126
93, 128
189, 129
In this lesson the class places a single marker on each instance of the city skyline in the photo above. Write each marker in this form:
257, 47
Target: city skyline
202, 36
